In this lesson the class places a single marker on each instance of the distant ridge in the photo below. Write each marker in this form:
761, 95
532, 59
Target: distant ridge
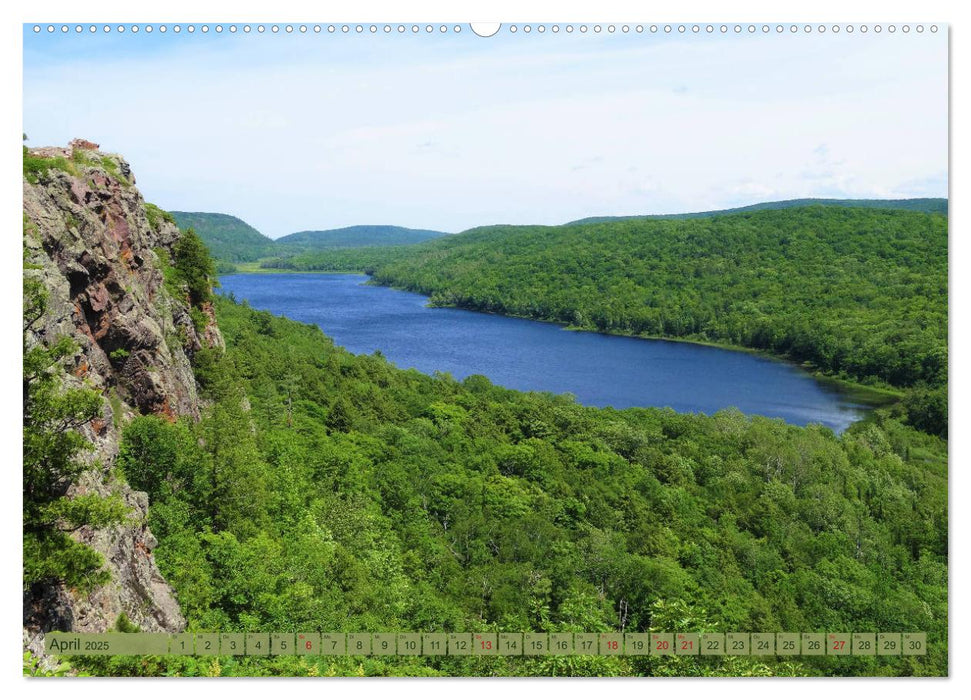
227, 237
232, 240
357, 237
932, 205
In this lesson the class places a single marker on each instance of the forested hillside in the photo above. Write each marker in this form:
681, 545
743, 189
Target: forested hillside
329, 491
931, 205
229, 239
355, 237
859, 293
378, 253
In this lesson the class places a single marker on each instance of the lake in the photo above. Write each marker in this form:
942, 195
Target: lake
598, 369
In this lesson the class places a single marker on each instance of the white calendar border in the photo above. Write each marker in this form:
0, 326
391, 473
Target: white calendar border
926, 11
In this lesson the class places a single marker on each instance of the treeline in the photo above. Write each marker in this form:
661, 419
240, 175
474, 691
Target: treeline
232, 241
859, 293
55, 453
364, 259
327, 491
929, 205
229, 239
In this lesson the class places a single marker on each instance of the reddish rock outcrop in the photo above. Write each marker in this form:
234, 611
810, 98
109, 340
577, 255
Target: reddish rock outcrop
88, 239
84, 145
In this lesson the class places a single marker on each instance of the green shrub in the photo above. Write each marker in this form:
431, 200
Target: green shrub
52, 459
170, 276
149, 453
195, 267
199, 319
116, 412
156, 215
36, 167
124, 624
80, 157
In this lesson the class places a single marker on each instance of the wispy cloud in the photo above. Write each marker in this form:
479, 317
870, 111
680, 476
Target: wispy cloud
302, 132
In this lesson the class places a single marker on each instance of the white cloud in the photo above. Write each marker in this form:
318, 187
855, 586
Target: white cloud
292, 133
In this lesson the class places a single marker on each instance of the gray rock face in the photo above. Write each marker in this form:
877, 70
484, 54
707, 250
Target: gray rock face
98, 256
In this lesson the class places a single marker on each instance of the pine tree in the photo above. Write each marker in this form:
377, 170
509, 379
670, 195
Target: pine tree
53, 450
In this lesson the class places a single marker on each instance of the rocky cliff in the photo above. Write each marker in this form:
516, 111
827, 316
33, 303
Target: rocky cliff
100, 250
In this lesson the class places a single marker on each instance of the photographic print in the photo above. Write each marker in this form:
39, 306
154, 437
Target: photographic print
451, 350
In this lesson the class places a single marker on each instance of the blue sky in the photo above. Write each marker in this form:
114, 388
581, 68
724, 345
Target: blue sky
294, 132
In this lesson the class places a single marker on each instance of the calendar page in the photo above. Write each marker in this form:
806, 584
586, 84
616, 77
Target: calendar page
513, 349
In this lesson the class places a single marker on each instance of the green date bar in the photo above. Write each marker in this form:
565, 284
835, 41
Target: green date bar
106, 644
487, 644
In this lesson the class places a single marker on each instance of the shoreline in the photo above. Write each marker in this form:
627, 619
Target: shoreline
251, 268
873, 396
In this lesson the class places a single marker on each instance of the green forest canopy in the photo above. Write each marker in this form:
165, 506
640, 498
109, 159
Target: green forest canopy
324, 490
232, 240
229, 239
355, 237
859, 293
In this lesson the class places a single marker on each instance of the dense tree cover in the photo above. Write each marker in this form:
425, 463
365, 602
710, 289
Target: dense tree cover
364, 259
232, 241
354, 237
54, 457
327, 491
229, 239
859, 293
926, 410
931, 205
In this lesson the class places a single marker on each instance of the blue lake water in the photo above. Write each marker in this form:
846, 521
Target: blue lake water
598, 369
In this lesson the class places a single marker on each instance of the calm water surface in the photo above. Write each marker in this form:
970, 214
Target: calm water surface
600, 370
